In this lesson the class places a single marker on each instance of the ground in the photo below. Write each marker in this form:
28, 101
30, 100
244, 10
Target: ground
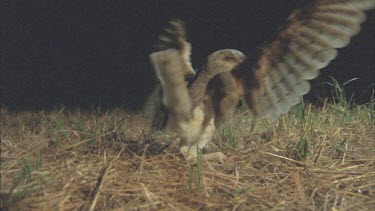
309, 159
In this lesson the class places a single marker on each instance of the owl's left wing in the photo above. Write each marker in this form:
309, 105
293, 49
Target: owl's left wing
171, 62
278, 77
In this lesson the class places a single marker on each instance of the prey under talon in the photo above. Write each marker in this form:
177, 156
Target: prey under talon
216, 156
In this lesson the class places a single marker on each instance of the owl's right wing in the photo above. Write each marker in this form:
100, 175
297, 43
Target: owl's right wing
277, 78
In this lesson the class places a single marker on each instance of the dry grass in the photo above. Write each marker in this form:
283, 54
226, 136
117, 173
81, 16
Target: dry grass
75, 160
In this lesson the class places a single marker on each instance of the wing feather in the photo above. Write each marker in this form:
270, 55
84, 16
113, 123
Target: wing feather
305, 45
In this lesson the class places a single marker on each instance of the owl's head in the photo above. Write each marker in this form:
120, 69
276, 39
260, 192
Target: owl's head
223, 61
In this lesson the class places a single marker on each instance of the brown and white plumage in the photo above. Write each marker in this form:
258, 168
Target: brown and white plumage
306, 44
271, 84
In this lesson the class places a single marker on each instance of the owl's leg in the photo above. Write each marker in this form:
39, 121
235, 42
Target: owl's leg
190, 152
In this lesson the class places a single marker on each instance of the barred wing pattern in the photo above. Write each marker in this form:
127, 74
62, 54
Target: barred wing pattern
306, 44
271, 82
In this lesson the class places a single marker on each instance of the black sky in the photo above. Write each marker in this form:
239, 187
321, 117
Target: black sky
82, 53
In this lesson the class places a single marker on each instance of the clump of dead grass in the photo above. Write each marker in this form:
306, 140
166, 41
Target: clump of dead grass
309, 159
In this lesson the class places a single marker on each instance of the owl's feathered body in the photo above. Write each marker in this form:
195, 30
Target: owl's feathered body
271, 84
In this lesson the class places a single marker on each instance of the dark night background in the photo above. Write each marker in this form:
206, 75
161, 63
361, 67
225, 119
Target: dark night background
84, 53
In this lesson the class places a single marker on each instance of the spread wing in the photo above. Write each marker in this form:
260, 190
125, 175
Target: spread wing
171, 62
307, 43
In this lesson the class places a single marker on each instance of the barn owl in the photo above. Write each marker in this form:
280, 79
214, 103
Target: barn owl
271, 84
